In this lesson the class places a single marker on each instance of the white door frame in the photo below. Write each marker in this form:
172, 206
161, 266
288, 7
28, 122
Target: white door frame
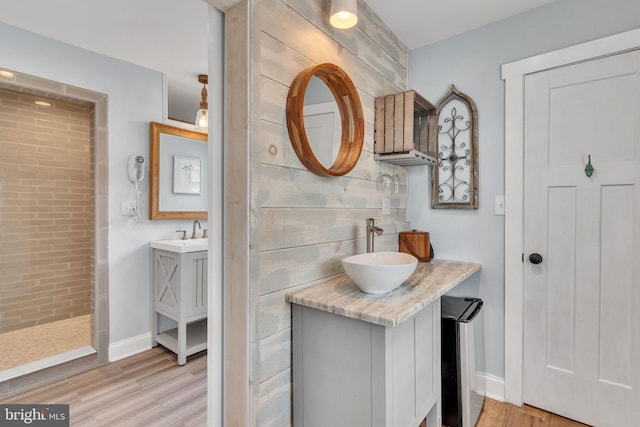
513, 74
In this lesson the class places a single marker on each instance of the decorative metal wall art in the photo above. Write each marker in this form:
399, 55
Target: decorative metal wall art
455, 176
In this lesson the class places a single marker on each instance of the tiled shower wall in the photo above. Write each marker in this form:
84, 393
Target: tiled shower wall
46, 207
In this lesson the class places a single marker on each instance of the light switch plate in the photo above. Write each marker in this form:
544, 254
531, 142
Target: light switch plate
386, 206
499, 205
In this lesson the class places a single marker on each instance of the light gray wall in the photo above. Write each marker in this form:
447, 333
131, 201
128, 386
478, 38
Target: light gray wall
135, 97
472, 62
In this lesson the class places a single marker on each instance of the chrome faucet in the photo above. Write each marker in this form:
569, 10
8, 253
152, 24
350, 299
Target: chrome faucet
371, 229
193, 236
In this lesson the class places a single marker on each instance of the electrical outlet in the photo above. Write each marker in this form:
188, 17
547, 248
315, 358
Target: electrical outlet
127, 207
499, 205
386, 206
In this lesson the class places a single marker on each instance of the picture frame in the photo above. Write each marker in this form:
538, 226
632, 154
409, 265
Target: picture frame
186, 175
165, 142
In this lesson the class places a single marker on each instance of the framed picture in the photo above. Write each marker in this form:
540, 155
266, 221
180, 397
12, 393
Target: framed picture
186, 175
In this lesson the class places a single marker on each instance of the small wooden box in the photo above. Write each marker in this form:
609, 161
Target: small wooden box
416, 243
405, 121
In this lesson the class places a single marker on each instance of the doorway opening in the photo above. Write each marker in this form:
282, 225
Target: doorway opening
53, 249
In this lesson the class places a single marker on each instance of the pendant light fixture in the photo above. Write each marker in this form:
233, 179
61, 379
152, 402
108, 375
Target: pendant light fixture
344, 13
202, 116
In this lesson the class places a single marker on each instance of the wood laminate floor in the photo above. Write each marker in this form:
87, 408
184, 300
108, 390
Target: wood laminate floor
500, 414
150, 389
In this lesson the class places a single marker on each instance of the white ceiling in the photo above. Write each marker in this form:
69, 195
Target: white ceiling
164, 35
421, 22
170, 35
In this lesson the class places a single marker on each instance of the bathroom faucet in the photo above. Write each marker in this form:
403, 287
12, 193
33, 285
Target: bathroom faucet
193, 236
371, 229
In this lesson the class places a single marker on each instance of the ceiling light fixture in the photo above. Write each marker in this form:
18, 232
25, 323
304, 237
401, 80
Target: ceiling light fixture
42, 103
6, 74
202, 116
344, 13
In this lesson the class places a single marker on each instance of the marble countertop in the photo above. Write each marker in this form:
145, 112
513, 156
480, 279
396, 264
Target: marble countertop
341, 296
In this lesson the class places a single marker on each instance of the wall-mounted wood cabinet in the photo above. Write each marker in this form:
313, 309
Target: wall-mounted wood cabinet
406, 129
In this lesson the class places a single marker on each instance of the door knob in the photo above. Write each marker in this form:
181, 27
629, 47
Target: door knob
535, 258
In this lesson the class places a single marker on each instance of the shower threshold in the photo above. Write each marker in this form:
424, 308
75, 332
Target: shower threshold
48, 362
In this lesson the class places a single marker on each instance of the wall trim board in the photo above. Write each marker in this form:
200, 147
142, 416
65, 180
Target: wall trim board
493, 385
513, 74
223, 5
238, 387
129, 346
215, 269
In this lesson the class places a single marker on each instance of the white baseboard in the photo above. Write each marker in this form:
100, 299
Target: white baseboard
129, 347
493, 386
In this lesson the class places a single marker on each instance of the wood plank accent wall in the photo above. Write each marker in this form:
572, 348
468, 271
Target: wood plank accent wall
299, 224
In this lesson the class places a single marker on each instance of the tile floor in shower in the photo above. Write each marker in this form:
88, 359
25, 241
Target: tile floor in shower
39, 342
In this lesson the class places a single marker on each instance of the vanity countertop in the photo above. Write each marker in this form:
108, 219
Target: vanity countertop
181, 246
341, 296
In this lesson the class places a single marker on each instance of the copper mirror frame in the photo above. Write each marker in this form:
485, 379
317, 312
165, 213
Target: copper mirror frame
351, 114
155, 130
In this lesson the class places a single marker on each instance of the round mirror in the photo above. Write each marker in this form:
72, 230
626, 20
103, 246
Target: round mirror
325, 145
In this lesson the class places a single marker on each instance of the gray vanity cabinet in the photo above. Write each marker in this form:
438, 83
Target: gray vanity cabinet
179, 293
352, 373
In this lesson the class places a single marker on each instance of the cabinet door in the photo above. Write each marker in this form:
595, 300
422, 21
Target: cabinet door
331, 370
350, 373
414, 366
166, 286
404, 352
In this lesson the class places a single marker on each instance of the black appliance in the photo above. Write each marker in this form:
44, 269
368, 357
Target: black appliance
462, 351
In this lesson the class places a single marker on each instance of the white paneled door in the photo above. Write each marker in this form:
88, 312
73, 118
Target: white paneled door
582, 241
324, 130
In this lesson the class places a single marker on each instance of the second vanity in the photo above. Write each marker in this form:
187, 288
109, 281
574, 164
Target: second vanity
179, 293
370, 360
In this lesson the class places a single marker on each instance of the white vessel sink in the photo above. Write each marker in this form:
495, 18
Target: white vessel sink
181, 246
379, 272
